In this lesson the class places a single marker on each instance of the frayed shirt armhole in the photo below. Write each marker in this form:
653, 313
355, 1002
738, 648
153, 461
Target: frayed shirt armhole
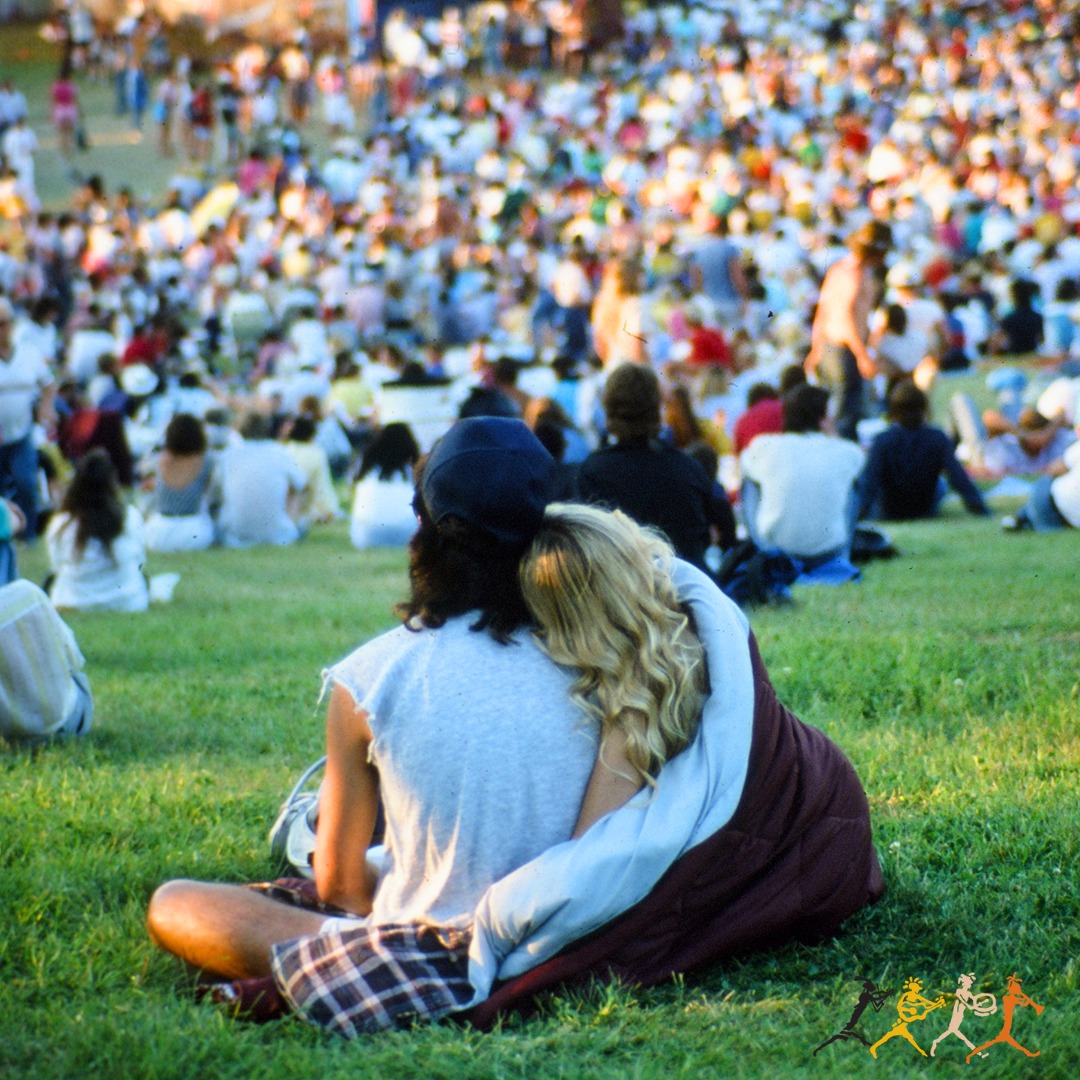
330, 677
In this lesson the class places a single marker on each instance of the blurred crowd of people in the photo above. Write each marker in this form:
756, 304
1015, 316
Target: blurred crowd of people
509, 209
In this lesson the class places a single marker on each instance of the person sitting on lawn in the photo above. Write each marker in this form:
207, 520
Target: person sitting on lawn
96, 543
44, 691
798, 492
418, 718
906, 469
1054, 501
253, 482
714, 821
694, 727
647, 479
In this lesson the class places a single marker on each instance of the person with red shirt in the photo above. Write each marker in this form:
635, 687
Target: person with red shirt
707, 344
764, 413
764, 416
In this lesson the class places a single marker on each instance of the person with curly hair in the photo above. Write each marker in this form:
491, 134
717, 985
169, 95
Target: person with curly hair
618, 625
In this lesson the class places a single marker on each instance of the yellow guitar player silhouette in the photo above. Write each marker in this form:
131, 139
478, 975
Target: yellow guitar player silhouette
910, 1006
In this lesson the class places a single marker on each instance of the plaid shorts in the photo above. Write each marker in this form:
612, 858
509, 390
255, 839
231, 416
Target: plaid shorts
373, 978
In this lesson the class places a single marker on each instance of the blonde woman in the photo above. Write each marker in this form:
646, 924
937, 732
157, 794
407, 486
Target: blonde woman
714, 821
600, 589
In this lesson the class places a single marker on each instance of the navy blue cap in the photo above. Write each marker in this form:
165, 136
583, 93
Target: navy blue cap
493, 473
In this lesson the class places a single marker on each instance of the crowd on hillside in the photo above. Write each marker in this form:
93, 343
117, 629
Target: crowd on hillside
543, 290
504, 217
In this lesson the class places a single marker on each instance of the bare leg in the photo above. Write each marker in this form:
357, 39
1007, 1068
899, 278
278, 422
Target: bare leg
225, 930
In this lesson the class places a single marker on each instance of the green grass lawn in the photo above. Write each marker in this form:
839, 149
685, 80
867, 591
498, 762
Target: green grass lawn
949, 676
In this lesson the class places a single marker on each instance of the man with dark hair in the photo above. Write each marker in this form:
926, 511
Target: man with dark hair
254, 480
799, 486
653, 483
839, 355
904, 470
497, 394
764, 413
456, 721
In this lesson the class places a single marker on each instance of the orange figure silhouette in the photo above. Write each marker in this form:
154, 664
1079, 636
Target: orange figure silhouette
1013, 996
979, 1004
910, 1006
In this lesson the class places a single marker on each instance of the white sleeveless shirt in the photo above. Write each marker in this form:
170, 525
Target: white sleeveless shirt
483, 761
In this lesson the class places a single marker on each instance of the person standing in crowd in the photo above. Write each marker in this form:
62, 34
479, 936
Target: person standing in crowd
64, 102
18, 146
717, 272
573, 293
25, 385
839, 356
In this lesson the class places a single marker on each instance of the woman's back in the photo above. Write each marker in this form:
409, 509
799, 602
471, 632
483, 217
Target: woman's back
181, 483
100, 577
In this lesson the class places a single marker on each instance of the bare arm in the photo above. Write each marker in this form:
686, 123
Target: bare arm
843, 301
16, 518
347, 808
612, 784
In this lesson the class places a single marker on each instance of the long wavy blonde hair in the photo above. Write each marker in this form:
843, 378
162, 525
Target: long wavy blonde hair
599, 587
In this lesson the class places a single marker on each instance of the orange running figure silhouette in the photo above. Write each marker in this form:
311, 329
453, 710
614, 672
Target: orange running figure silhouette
910, 1006
1013, 996
979, 1004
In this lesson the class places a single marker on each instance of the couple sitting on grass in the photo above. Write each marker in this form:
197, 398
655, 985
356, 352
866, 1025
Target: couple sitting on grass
583, 768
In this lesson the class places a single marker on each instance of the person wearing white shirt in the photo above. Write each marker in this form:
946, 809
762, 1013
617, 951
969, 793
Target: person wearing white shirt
573, 293
96, 544
382, 513
38, 329
254, 480
799, 486
43, 688
24, 380
87, 347
18, 145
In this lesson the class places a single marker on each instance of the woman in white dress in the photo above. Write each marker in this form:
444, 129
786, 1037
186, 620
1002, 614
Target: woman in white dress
382, 513
95, 543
